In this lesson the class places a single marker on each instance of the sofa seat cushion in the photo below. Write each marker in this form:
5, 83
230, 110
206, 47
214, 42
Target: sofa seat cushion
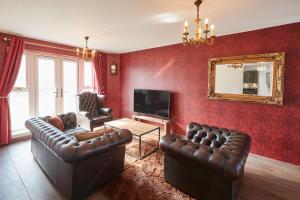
83, 136
101, 118
71, 132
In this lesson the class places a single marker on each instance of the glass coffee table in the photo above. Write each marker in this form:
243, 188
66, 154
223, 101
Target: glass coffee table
138, 130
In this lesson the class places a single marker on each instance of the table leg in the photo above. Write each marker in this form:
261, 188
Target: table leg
140, 147
158, 137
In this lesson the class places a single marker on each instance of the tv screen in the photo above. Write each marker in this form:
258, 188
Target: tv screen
152, 102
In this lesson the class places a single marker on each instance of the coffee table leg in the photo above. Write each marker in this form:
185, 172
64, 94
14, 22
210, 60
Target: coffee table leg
158, 137
140, 147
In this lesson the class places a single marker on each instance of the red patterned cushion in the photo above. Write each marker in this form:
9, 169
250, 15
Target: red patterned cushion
57, 122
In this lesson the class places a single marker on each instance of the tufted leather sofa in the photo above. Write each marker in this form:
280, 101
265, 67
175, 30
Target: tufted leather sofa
92, 111
208, 163
76, 168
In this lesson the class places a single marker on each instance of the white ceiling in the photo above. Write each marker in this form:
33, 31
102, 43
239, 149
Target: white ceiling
127, 25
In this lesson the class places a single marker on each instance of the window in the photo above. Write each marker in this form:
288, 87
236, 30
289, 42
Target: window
88, 75
21, 81
70, 85
47, 85
19, 99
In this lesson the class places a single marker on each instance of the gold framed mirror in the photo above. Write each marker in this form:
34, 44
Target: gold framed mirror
251, 78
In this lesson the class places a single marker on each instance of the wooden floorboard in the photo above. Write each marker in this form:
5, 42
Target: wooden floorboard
22, 179
267, 179
11, 185
35, 181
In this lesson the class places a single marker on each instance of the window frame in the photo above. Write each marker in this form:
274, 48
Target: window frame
31, 80
82, 86
20, 132
26, 88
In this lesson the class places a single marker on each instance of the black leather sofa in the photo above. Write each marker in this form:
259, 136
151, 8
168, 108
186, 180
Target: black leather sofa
76, 168
207, 164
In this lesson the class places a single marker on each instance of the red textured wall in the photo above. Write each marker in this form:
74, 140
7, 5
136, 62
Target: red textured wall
275, 130
113, 85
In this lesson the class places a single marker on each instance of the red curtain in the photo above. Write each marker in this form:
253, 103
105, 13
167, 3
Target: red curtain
98, 73
7, 80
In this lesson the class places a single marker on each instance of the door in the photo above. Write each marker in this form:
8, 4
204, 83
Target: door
57, 81
47, 86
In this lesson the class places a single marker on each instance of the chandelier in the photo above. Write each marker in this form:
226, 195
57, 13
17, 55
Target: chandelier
86, 53
207, 36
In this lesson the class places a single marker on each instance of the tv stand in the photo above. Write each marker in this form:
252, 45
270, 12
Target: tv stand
166, 123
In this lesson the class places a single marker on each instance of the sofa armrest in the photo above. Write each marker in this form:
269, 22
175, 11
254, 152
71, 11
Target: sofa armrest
222, 162
105, 111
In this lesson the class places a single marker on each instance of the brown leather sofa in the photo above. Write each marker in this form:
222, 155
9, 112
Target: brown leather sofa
208, 164
76, 168
93, 113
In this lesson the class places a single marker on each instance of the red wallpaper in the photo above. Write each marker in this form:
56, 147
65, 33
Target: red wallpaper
275, 130
113, 85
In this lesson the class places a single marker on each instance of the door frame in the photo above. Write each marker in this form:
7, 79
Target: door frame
32, 75
32, 79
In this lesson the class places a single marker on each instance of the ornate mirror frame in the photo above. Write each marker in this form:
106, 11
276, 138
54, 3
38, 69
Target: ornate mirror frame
278, 60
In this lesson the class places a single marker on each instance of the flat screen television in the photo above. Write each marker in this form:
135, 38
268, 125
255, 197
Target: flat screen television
152, 102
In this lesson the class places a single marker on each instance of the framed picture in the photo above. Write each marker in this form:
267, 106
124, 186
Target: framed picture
113, 69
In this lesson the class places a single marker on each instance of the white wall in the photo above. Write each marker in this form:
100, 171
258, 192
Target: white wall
229, 80
262, 87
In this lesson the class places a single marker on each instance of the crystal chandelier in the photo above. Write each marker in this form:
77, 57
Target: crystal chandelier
85, 53
207, 36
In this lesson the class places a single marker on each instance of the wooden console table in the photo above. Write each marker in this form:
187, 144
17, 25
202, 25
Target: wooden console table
166, 123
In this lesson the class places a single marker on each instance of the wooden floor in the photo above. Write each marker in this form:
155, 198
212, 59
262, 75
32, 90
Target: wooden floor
21, 178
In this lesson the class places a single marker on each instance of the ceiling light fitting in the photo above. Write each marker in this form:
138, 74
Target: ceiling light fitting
86, 53
207, 36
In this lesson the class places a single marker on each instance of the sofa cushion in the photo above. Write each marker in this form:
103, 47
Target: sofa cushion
101, 118
56, 121
83, 136
69, 120
71, 132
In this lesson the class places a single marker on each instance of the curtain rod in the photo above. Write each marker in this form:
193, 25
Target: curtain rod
6, 39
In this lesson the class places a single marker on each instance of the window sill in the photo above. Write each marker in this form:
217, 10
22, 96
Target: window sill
20, 136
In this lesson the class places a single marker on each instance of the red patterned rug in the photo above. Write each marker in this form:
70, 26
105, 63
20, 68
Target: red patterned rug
141, 180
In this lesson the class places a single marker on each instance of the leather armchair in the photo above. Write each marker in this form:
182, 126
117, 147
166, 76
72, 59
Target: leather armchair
92, 112
208, 163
